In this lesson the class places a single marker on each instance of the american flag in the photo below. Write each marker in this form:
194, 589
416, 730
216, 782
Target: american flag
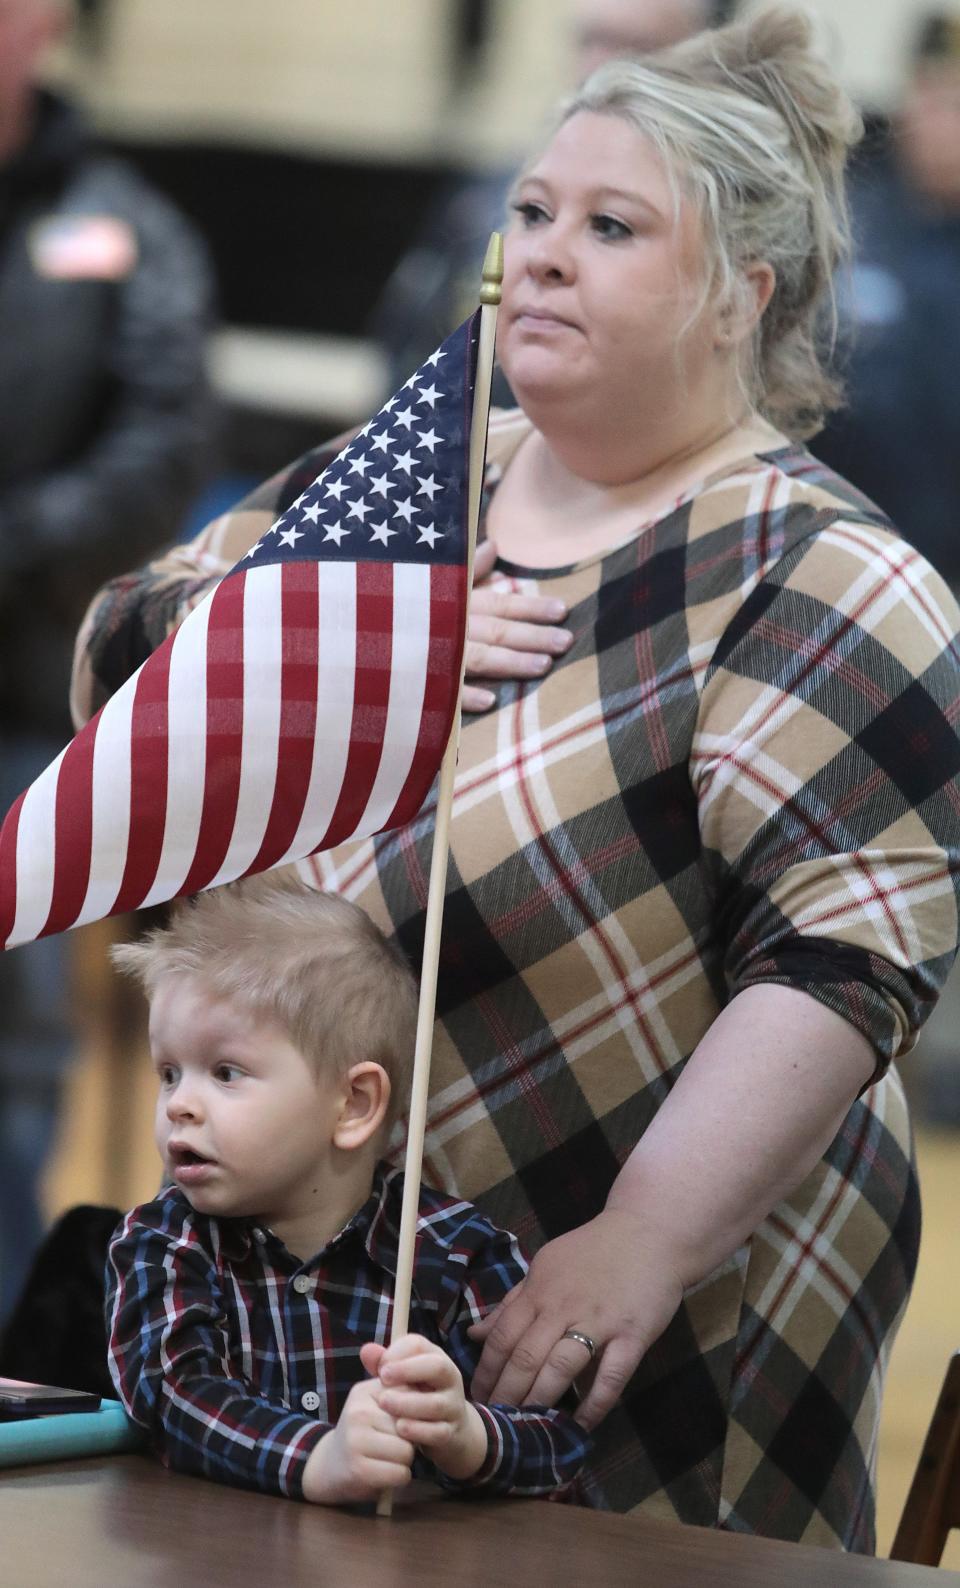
307, 700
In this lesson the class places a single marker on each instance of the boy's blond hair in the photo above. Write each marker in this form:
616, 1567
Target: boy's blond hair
309, 962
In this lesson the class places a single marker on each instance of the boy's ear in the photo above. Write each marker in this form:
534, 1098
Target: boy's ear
366, 1098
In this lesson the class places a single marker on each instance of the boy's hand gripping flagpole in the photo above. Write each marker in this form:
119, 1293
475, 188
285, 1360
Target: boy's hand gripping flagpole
426, 1015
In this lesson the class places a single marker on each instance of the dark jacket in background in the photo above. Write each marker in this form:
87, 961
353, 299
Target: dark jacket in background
104, 407
898, 439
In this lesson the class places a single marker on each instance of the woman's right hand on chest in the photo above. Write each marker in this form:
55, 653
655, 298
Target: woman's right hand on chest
509, 635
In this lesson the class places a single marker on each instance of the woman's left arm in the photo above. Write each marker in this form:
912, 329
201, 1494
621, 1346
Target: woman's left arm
753, 1111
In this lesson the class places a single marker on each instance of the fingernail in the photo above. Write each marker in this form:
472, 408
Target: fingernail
556, 610
540, 663
562, 639
485, 698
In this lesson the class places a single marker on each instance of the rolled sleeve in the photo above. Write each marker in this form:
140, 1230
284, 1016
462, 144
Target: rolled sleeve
826, 767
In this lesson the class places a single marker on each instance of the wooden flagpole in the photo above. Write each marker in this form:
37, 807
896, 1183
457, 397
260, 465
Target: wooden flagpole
426, 1013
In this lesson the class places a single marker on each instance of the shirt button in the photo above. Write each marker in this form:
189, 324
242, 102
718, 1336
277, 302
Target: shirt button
303, 1284
310, 1401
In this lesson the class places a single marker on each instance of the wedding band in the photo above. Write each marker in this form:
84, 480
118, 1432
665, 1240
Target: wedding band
581, 1339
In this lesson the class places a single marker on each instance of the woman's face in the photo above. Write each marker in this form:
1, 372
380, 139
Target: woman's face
602, 275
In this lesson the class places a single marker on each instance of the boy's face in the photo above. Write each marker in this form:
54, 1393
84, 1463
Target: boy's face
243, 1124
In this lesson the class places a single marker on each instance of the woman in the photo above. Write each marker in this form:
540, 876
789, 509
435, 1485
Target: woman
700, 891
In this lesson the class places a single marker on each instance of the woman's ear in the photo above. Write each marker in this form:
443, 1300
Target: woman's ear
365, 1098
738, 320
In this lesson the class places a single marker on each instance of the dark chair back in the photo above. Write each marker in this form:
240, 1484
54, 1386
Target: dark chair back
933, 1504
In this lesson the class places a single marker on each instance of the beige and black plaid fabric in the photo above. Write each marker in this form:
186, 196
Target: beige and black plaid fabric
744, 770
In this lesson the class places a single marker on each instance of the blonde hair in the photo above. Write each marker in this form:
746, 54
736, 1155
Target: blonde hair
309, 962
754, 126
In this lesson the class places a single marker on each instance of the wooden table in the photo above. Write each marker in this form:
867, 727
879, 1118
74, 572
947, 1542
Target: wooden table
122, 1522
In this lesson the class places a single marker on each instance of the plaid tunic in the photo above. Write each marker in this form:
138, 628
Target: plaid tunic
744, 770
238, 1357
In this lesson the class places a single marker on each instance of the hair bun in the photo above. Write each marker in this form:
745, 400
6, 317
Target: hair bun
774, 57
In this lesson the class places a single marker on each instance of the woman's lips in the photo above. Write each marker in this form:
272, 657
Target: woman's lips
541, 320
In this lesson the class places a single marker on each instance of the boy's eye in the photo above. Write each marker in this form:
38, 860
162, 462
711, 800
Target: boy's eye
226, 1073
609, 228
167, 1074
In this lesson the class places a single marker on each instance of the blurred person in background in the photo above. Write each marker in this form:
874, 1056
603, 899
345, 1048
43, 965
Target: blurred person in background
899, 437
434, 286
105, 298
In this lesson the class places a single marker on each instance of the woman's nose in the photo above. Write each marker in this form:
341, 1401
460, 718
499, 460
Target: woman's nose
551, 255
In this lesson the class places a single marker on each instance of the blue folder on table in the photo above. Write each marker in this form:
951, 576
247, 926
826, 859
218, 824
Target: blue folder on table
68, 1434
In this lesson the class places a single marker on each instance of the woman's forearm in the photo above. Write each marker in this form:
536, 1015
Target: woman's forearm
757, 1105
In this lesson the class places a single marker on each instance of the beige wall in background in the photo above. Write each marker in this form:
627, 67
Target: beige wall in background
367, 77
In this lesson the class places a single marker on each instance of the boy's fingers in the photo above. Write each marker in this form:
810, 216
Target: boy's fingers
403, 1403
423, 1369
371, 1355
426, 1434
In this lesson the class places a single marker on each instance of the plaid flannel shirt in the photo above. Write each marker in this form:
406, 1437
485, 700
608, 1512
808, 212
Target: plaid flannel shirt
238, 1357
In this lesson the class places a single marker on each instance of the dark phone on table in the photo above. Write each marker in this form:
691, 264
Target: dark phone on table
21, 1399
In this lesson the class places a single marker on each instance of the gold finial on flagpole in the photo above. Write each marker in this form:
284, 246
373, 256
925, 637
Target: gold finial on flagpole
492, 271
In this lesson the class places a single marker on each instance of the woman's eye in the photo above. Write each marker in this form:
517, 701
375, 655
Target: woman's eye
609, 228
529, 212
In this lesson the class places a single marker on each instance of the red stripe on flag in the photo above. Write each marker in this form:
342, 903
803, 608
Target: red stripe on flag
8, 868
73, 829
448, 610
371, 697
224, 736
148, 781
299, 597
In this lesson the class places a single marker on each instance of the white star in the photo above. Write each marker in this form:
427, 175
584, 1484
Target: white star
366, 429
388, 407
381, 441
381, 484
435, 358
254, 549
359, 466
428, 487
404, 416
300, 500
381, 532
429, 394
336, 532
408, 383
404, 460
359, 509
429, 535
404, 509
312, 512
428, 438
336, 488
290, 537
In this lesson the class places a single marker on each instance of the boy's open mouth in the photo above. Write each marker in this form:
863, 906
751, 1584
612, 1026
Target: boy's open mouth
184, 1156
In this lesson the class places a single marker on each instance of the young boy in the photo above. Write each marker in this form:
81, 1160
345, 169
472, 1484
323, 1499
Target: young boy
248, 1305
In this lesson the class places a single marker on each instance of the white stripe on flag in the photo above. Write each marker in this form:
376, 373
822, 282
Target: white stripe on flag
186, 753
36, 856
408, 678
110, 797
262, 700
336, 685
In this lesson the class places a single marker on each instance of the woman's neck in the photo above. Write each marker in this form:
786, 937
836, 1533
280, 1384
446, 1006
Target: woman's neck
554, 507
